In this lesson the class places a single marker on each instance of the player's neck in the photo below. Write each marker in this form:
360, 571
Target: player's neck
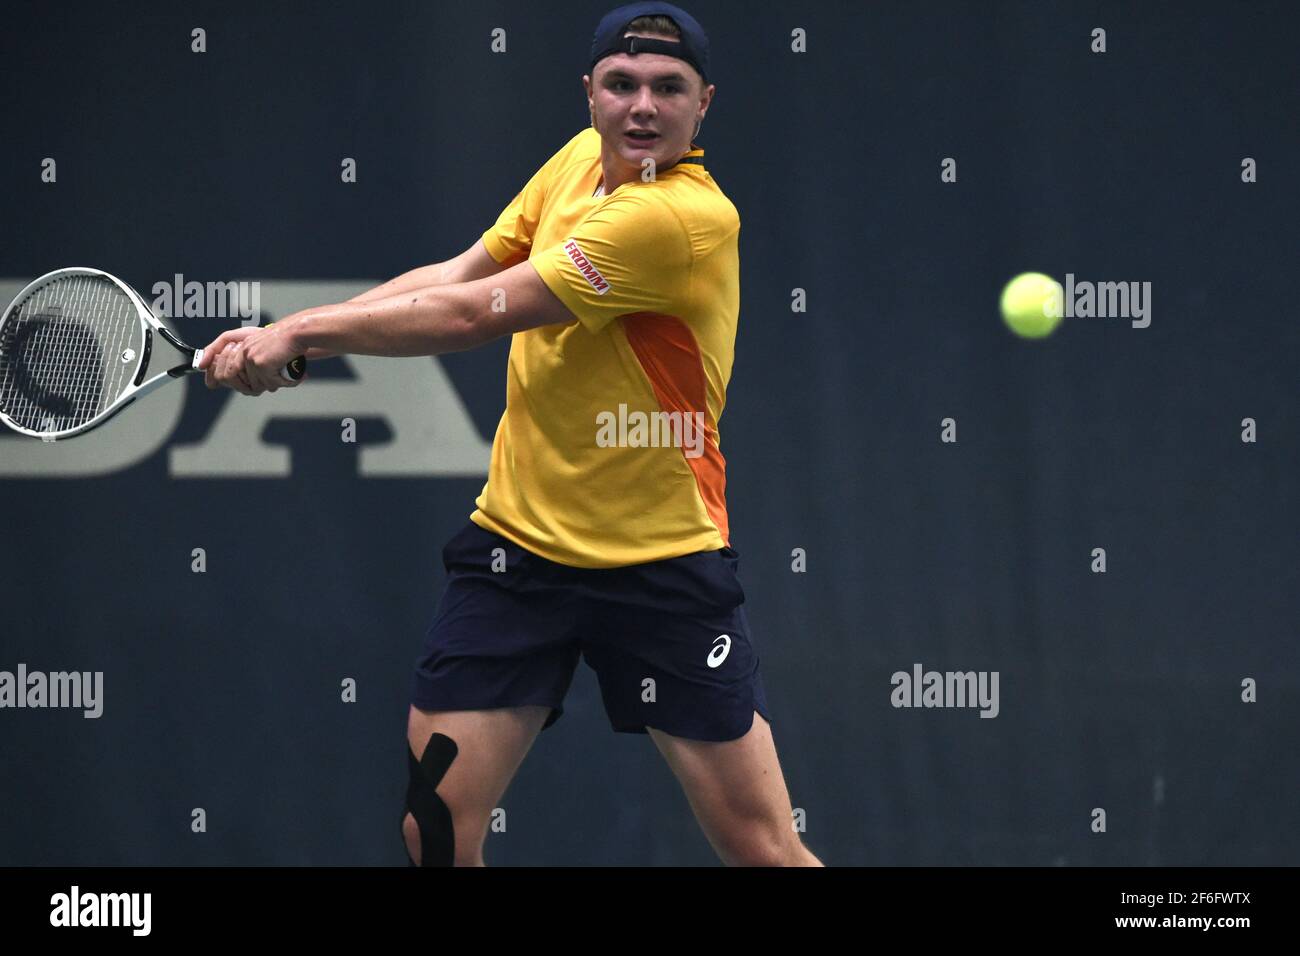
615, 173
612, 178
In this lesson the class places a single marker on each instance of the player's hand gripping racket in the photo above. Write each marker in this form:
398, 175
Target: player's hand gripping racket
79, 345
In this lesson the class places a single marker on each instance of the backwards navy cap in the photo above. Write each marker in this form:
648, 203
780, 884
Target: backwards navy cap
693, 46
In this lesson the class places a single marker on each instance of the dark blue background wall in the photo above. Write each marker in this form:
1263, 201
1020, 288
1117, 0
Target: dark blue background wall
1119, 690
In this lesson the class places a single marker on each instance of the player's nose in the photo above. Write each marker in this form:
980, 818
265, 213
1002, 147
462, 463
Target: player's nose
644, 104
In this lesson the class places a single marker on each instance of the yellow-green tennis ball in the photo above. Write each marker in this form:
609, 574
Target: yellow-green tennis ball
1031, 305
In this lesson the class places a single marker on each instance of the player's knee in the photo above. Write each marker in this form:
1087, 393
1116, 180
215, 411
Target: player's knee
467, 850
469, 854
757, 853
428, 826
761, 844
411, 837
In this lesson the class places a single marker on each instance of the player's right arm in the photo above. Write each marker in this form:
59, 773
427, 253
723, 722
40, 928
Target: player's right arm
474, 263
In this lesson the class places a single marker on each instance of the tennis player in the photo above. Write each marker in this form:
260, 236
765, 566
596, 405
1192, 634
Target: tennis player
597, 535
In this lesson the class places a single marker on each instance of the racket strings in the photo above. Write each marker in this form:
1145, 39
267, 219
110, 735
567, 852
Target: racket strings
67, 352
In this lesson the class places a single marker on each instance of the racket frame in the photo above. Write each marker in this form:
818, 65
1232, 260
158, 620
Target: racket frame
150, 325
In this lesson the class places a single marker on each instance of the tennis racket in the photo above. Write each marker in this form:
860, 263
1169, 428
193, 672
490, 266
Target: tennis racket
79, 345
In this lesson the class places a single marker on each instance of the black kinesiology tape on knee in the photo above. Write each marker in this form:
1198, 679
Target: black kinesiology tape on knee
437, 838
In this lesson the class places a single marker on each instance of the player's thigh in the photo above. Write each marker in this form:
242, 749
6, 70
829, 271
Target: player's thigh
490, 746
737, 791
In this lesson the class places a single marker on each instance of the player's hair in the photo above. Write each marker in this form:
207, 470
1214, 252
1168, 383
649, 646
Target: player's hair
654, 24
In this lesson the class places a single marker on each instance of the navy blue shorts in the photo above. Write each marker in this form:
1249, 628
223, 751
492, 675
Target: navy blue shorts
668, 640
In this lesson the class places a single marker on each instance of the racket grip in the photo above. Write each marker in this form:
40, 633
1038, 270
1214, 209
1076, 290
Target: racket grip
292, 372
295, 370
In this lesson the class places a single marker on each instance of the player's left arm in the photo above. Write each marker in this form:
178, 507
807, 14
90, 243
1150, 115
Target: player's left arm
427, 321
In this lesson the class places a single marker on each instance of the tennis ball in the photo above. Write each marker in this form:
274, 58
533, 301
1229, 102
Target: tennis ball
1031, 305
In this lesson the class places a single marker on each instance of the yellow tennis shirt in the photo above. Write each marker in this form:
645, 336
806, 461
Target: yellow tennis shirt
608, 451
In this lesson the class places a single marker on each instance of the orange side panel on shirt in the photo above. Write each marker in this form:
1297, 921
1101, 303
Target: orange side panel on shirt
670, 356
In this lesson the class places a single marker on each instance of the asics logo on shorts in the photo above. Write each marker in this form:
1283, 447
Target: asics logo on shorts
720, 651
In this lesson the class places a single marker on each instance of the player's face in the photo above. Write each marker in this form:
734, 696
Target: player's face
646, 105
